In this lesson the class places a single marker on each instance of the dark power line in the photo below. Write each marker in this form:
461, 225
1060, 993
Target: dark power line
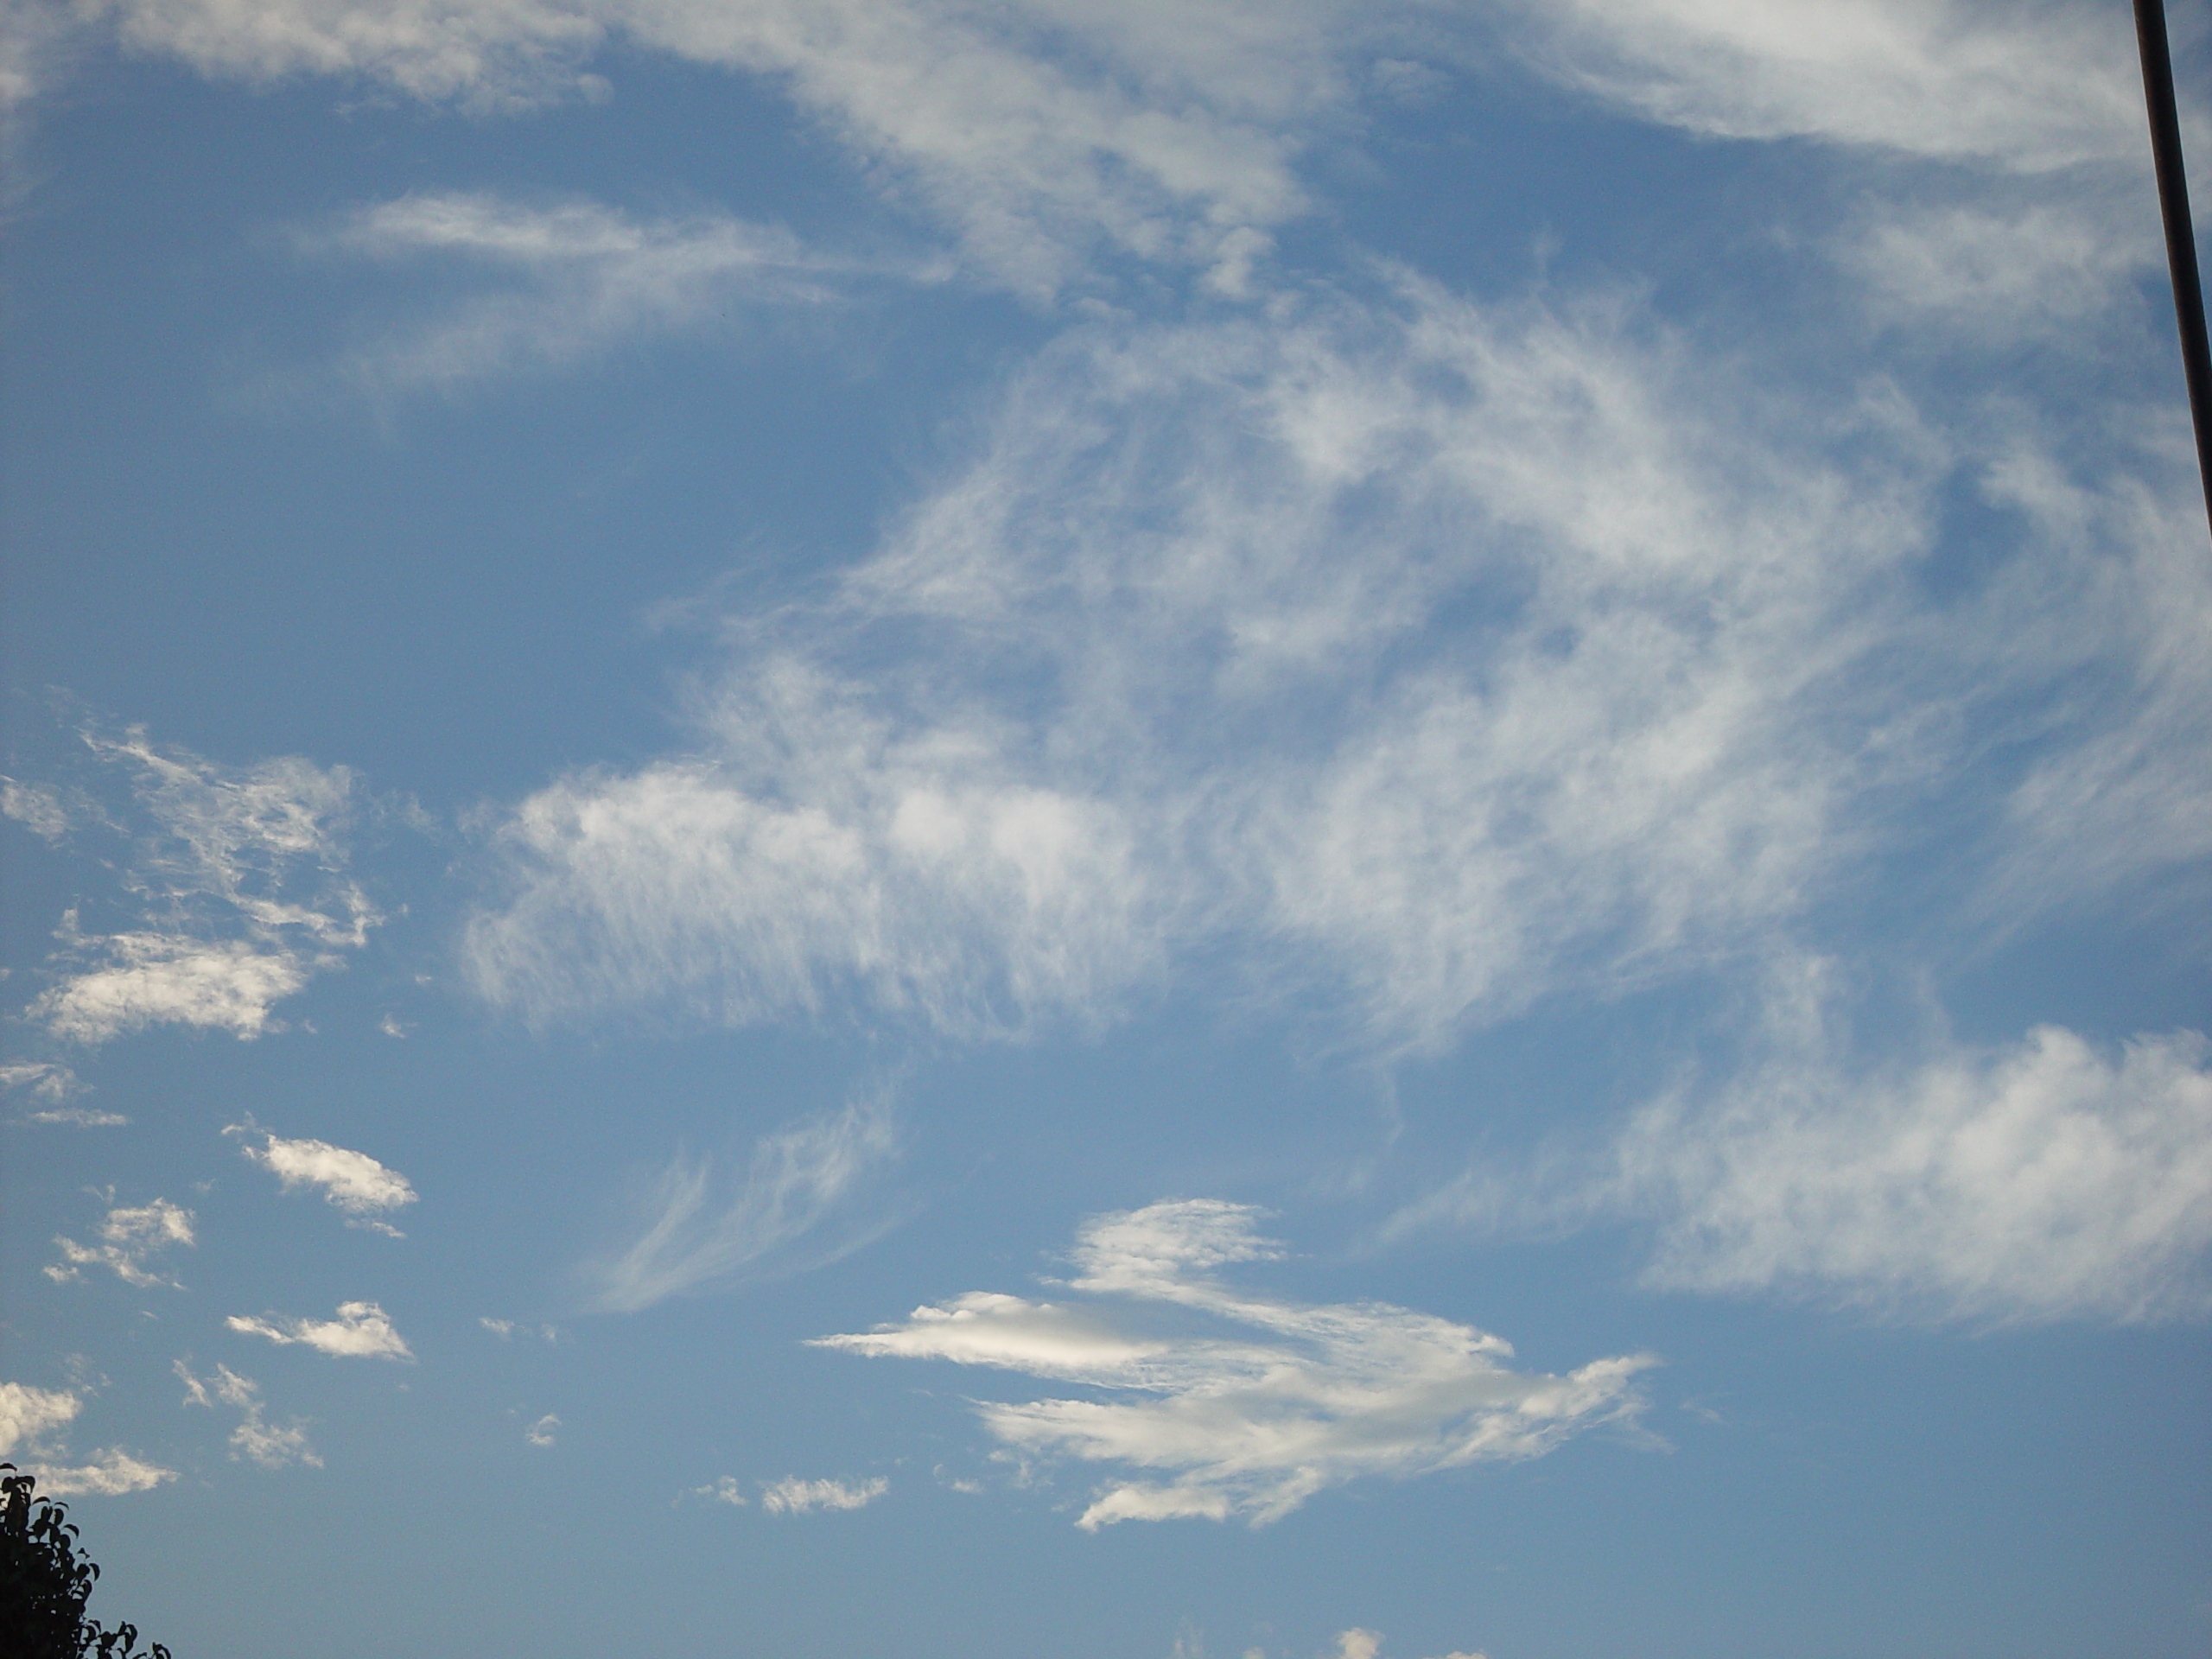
2181, 234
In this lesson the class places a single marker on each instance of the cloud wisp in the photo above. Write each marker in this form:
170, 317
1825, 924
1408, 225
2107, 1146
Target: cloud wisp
352, 1182
32, 1424
52, 1088
792, 1495
1262, 1405
238, 879
256, 1439
572, 280
131, 1237
361, 1331
791, 1206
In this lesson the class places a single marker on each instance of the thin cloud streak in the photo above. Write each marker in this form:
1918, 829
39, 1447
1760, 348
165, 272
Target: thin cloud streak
578, 277
361, 1331
792, 1209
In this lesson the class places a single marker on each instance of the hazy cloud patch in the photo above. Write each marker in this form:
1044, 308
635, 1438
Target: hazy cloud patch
792, 1495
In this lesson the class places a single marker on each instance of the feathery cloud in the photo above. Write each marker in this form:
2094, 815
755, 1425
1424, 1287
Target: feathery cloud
570, 280
790, 1209
792, 1495
1281, 1402
237, 875
256, 1439
131, 1237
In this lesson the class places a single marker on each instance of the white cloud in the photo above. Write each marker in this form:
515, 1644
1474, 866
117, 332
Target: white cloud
1357, 1643
110, 1474
544, 1431
238, 875
1428, 654
131, 1238
574, 279
45, 1082
31, 1416
792, 1495
361, 1331
725, 1491
2041, 1180
2032, 86
790, 1209
1279, 1402
2037, 1180
31, 1422
151, 979
1039, 130
256, 1439
352, 1181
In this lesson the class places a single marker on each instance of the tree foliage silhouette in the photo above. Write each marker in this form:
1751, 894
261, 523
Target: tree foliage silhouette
46, 1579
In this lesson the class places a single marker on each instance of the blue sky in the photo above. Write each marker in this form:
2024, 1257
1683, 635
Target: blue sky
1321, 828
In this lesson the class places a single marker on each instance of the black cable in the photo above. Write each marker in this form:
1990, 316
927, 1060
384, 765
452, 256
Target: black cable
2181, 234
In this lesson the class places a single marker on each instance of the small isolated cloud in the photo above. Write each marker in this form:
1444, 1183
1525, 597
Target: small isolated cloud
543, 1432
237, 878
31, 1424
256, 1439
572, 280
361, 1331
1272, 1402
353, 1181
725, 1491
792, 1495
790, 1210
1357, 1643
131, 1238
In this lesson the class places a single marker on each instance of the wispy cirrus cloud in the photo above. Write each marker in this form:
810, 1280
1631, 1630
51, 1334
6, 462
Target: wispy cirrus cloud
788, 1207
1412, 656
352, 1182
569, 280
256, 1439
361, 1331
52, 1087
131, 1237
792, 1495
1272, 1402
237, 878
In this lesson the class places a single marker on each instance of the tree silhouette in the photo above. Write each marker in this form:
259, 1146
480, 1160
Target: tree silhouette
45, 1581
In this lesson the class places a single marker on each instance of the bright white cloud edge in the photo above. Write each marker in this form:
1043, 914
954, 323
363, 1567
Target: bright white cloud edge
1284, 1401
